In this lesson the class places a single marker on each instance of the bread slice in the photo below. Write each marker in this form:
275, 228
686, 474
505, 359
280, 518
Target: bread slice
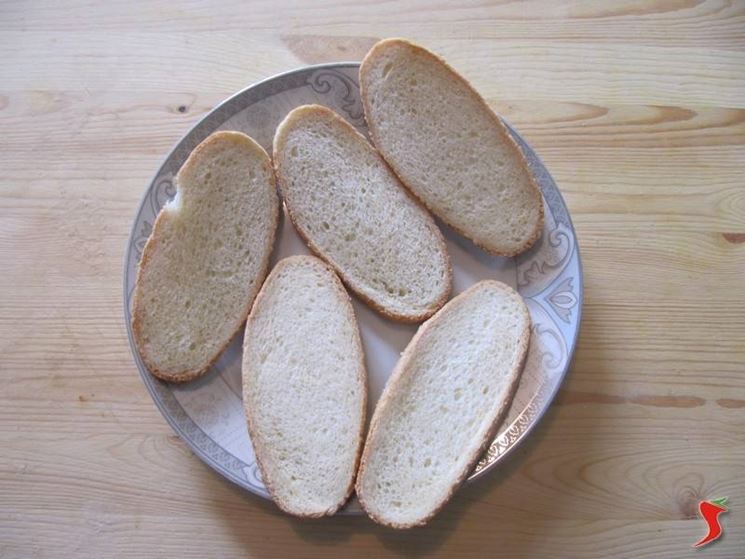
449, 148
353, 212
443, 404
304, 387
206, 257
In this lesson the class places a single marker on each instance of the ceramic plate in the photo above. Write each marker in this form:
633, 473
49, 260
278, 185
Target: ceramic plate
208, 413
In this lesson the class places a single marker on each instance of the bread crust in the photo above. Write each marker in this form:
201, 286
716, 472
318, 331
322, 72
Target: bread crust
351, 284
400, 370
372, 56
151, 247
258, 444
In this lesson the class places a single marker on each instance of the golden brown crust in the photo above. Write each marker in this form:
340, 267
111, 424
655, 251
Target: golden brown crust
361, 377
431, 225
395, 380
379, 49
151, 246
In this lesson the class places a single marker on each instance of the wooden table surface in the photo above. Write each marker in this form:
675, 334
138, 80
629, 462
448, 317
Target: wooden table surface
638, 110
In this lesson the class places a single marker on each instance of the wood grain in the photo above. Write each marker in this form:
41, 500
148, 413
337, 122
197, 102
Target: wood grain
638, 110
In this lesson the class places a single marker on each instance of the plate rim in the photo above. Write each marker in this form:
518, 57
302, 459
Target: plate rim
149, 380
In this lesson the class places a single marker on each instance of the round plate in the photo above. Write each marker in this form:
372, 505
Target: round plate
208, 413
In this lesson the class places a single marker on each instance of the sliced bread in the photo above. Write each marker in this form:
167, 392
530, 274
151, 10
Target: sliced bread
449, 148
206, 257
353, 212
304, 387
443, 404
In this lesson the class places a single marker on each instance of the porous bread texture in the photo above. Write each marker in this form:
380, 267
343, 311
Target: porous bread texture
304, 387
353, 212
206, 257
443, 404
449, 148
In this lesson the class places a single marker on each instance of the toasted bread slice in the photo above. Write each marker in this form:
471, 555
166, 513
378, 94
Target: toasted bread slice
304, 387
206, 257
353, 212
449, 148
443, 404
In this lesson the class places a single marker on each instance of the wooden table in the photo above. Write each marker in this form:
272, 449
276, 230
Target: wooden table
638, 110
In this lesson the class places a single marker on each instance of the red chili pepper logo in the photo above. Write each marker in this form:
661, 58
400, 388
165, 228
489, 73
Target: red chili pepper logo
710, 511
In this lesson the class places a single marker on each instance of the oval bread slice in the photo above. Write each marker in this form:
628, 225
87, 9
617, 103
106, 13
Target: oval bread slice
449, 148
206, 257
442, 405
304, 387
354, 213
